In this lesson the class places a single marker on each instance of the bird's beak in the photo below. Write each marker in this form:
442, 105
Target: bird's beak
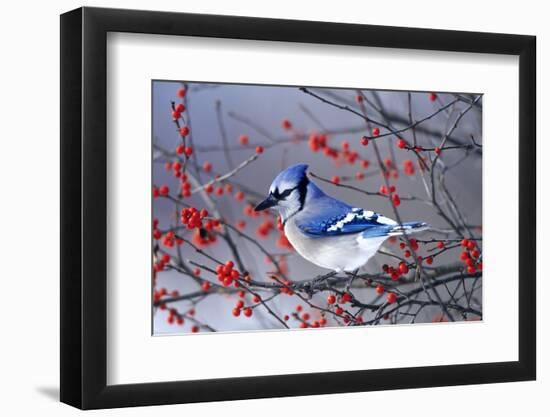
270, 201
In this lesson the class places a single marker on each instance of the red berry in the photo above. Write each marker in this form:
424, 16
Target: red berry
380, 289
207, 166
180, 108
331, 299
184, 131
359, 98
286, 124
247, 312
189, 151
195, 329
181, 92
391, 298
375, 131
429, 260
346, 297
243, 140
440, 245
236, 312
433, 97
403, 268
364, 141
401, 144
206, 285
180, 149
396, 200
336, 179
437, 150
164, 190
259, 149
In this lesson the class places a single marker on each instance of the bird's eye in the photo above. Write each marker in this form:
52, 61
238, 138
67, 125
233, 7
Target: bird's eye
285, 193
281, 196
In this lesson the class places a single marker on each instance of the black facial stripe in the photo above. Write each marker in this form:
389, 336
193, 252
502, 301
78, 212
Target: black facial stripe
302, 189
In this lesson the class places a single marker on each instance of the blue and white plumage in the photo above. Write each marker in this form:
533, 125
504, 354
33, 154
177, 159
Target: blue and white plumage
327, 231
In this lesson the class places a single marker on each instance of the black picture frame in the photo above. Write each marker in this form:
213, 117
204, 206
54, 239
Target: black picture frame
84, 207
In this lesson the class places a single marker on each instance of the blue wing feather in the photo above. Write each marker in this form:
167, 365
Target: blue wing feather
346, 220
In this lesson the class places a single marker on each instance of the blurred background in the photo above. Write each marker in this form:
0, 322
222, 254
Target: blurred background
227, 122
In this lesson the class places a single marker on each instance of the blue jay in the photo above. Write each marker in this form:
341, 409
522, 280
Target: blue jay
326, 231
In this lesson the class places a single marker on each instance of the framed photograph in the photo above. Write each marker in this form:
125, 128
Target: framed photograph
258, 208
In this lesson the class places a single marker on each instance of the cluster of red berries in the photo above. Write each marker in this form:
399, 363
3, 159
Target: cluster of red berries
192, 217
286, 289
348, 155
174, 317
390, 170
158, 294
319, 142
227, 275
408, 167
204, 235
265, 228
169, 239
163, 191
390, 192
470, 256
396, 272
177, 111
161, 263
182, 149
390, 296
176, 168
247, 311
305, 317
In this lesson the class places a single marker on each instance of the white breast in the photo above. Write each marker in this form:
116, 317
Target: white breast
339, 253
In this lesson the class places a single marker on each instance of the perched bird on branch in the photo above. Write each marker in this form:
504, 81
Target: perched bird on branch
327, 231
